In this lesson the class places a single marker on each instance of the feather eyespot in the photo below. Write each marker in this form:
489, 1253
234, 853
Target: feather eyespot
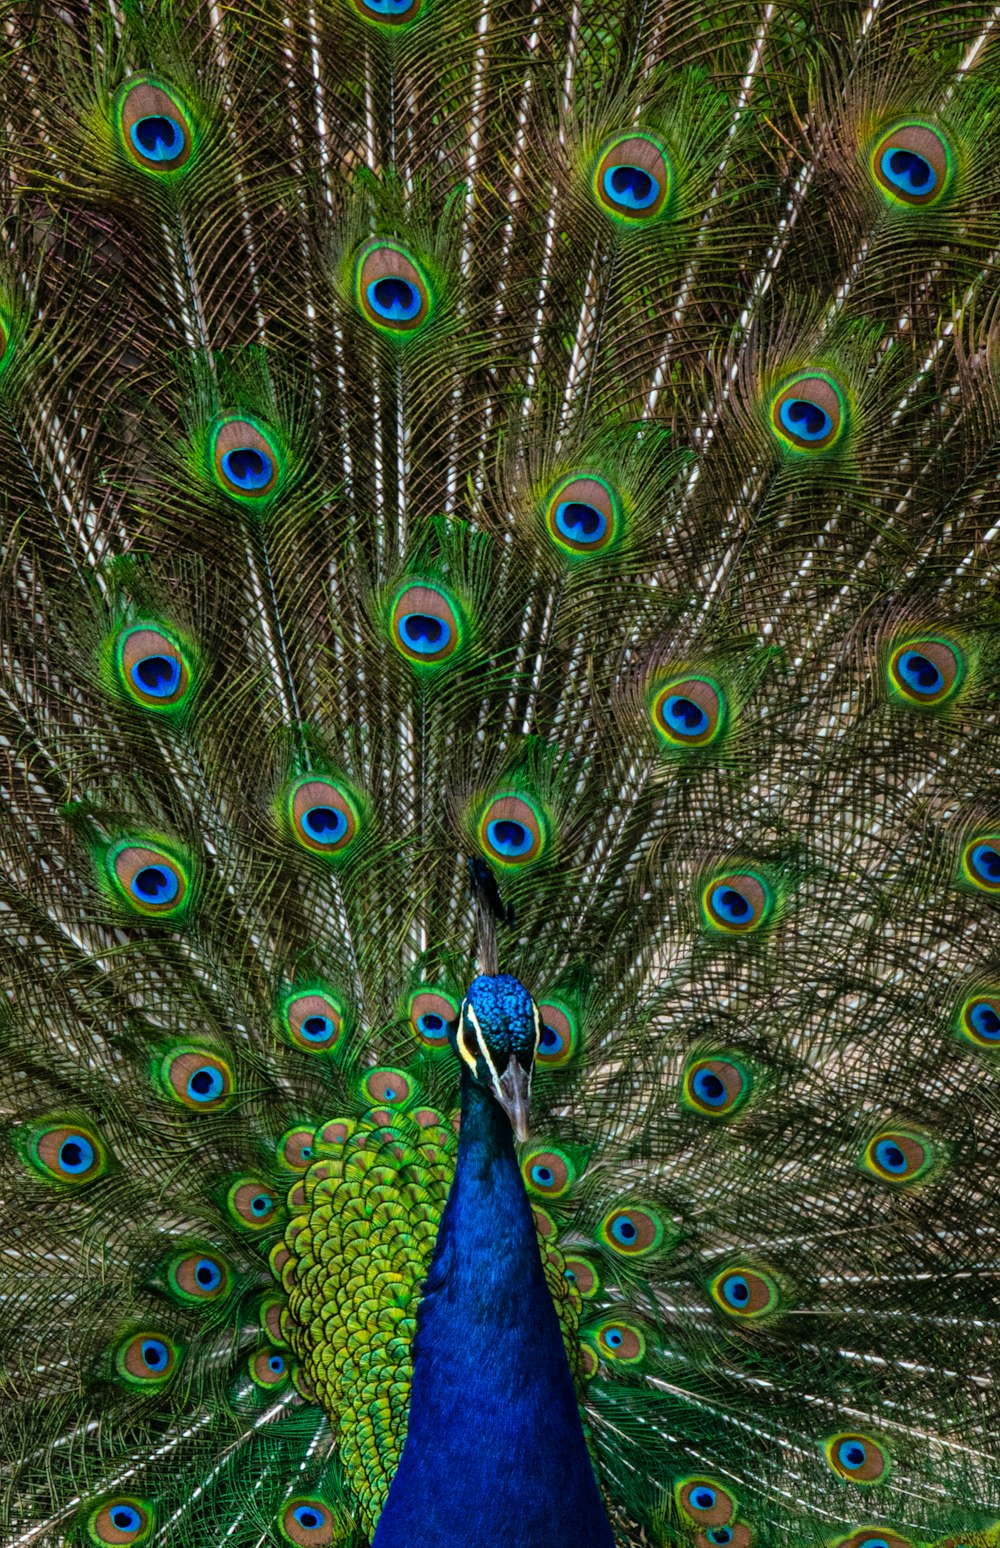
67, 1153
197, 1078
809, 412
979, 1019
155, 126
590, 1361
387, 1087
738, 1535
431, 1013
148, 878
737, 902
705, 1501
716, 1087
389, 14
313, 1020
152, 668
856, 1457
912, 163
631, 1232
560, 1035
981, 863
252, 1203
633, 178
547, 1173
582, 1273
322, 816
122, 1519
925, 672
147, 1359
620, 1342
747, 1293
873, 1537
198, 1276
513, 831
336, 1132
307, 1523
268, 1368
583, 515
297, 1148
689, 712
426, 626
898, 1156
245, 459
391, 289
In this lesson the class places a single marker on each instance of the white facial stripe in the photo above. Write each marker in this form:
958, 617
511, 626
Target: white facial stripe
538, 1032
465, 1055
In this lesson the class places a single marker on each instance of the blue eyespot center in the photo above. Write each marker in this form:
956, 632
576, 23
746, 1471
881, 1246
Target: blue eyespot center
851, 1454
623, 1230
154, 1354
125, 1518
703, 1499
76, 1154
633, 188
276, 1365
308, 1516
393, 298
709, 1088
919, 673
614, 1337
736, 1290
424, 633
158, 138
155, 884
206, 1084
158, 676
890, 1157
731, 905
580, 522
508, 837
986, 863
551, 1041
720, 1535
684, 716
325, 824
908, 172
431, 1024
543, 1176
317, 1029
260, 1203
208, 1274
986, 1020
805, 420
247, 467
388, 7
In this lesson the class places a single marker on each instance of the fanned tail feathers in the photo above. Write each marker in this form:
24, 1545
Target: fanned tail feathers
567, 437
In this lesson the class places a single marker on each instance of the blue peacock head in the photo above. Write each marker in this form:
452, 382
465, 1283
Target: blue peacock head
496, 1036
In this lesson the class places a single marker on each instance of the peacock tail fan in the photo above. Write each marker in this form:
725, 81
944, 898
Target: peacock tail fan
565, 437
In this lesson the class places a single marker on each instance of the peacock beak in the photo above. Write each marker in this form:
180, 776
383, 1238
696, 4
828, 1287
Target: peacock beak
512, 1090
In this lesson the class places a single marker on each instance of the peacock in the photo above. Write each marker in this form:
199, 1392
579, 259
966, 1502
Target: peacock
499, 730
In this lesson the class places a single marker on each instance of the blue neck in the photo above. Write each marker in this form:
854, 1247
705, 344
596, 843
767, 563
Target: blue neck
494, 1455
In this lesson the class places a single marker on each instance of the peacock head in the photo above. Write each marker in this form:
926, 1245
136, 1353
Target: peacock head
496, 1036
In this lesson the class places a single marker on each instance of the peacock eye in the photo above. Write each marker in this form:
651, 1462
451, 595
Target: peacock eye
856, 1457
633, 178
912, 164
122, 1519
307, 1523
